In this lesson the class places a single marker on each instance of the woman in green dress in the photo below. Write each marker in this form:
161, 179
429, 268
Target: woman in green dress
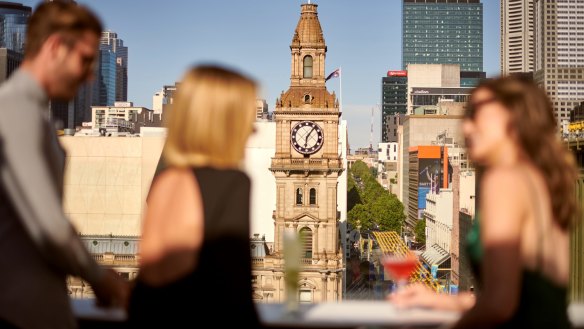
519, 248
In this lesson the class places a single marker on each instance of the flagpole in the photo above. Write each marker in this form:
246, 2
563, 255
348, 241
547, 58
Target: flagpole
341, 91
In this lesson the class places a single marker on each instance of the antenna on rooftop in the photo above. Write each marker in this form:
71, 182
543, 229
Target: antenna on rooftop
371, 133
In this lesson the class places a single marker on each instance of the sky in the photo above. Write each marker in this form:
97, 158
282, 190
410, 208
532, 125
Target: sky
165, 38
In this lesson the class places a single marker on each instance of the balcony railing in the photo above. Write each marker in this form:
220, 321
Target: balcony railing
268, 262
306, 164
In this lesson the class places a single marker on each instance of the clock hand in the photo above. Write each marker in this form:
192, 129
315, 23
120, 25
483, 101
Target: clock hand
308, 135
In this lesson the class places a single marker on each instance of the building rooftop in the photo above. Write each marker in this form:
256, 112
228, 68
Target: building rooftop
14, 5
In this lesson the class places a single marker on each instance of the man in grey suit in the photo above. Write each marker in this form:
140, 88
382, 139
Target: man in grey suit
38, 245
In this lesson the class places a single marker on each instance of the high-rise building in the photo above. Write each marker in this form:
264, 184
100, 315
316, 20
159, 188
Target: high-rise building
559, 54
13, 19
577, 114
517, 36
111, 41
104, 86
394, 99
444, 32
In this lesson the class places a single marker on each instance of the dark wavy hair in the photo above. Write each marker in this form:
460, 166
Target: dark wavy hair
533, 120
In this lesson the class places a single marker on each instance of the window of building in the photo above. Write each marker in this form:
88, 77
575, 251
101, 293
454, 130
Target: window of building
308, 66
305, 296
313, 196
299, 196
306, 236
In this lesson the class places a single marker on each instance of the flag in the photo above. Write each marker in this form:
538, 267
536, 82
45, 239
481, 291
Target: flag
336, 73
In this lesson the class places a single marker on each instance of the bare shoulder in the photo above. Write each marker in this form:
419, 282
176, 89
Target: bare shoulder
508, 182
173, 175
503, 203
171, 182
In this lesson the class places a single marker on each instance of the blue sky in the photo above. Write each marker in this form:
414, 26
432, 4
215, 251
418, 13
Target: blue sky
253, 36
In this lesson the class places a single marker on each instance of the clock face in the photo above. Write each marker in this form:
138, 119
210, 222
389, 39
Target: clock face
307, 137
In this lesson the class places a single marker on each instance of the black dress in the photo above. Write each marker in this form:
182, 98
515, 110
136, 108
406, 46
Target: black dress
221, 282
543, 304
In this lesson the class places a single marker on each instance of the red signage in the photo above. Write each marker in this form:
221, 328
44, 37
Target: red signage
397, 73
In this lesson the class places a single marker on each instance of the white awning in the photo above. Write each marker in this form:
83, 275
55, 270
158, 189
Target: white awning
435, 255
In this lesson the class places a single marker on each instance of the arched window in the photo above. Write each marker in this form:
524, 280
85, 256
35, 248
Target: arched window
312, 196
307, 99
298, 196
308, 67
306, 236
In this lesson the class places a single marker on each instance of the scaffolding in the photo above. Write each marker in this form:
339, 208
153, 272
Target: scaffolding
390, 242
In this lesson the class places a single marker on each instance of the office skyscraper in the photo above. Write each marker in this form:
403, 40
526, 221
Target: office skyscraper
517, 36
13, 18
111, 41
394, 103
444, 32
559, 54
104, 86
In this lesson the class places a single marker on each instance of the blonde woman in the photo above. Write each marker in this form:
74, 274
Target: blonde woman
195, 256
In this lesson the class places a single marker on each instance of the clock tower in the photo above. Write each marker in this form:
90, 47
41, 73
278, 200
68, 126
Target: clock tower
307, 164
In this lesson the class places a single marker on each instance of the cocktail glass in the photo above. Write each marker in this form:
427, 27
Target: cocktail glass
400, 267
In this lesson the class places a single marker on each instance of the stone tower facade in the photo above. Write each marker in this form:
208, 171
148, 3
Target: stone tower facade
306, 166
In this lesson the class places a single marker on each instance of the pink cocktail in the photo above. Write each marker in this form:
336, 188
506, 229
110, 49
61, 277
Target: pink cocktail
400, 268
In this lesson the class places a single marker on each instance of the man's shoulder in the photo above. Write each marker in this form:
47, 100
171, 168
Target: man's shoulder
10, 92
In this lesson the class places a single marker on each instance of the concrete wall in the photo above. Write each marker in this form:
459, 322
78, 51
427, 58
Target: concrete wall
440, 230
107, 180
259, 152
467, 191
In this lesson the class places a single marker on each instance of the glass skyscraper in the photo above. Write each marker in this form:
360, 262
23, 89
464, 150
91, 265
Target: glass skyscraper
394, 98
443, 32
104, 88
111, 41
13, 19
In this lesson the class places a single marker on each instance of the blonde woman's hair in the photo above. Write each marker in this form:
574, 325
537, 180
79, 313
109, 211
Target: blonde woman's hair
211, 119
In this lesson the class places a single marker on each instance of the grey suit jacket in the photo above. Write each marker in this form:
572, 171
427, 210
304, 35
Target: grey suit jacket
38, 245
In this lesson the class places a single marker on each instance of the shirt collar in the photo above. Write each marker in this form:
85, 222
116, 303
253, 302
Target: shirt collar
32, 86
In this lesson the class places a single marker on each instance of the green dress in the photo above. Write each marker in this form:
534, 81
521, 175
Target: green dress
542, 303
